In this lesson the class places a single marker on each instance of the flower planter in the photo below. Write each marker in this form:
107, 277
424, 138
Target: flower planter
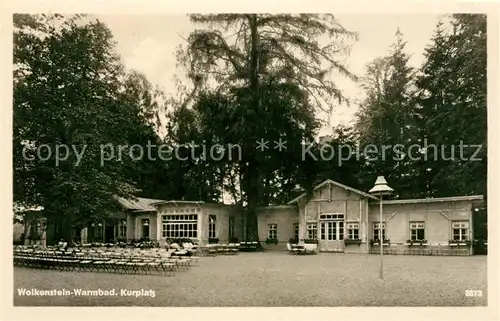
349, 241
377, 242
213, 241
459, 243
271, 241
416, 243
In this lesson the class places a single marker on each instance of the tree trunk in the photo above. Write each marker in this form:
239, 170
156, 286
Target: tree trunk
253, 175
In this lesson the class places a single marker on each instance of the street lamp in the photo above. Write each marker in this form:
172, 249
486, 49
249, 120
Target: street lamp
380, 189
298, 188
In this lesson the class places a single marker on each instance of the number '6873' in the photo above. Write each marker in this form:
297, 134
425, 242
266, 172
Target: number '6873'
473, 293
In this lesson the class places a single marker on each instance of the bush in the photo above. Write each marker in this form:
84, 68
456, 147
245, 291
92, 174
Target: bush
293, 240
213, 241
233, 240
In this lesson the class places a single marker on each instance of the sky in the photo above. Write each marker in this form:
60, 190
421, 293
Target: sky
147, 43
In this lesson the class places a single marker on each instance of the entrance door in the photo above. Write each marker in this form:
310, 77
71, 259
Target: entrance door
331, 236
145, 228
109, 233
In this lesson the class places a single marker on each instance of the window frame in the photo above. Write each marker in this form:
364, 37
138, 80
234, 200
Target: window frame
376, 227
352, 229
212, 226
417, 226
179, 226
460, 225
122, 229
272, 228
296, 230
312, 230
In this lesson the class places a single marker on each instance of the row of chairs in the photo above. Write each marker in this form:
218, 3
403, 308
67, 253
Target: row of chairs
112, 262
219, 249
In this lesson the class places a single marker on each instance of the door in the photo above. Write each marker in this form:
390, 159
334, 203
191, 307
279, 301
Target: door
109, 233
145, 229
331, 238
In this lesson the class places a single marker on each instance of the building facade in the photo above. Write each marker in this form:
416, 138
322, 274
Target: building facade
338, 218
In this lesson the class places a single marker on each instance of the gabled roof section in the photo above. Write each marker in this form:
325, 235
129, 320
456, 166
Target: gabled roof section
329, 181
140, 204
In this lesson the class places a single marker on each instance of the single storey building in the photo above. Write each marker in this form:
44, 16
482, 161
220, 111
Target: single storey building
338, 218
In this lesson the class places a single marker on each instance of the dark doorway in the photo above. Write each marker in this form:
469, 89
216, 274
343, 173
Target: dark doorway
109, 234
145, 228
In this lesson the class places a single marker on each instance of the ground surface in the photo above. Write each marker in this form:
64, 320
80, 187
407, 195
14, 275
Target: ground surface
278, 279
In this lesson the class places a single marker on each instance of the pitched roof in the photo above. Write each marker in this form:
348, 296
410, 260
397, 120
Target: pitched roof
329, 181
140, 204
177, 202
436, 200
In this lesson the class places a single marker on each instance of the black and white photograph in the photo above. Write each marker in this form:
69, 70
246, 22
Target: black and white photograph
250, 159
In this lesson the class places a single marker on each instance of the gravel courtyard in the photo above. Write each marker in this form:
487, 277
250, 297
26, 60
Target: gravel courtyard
278, 279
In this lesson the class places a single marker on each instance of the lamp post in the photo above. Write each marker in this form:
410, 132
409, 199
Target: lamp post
380, 189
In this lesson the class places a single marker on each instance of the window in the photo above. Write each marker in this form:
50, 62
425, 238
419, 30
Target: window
123, 229
460, 230
99, 232
211, 227
231, 226
333, 216
272, 231
417, 231
36, 229
341, 230
175, 226
296, 231
312, 231
353, 231
332, 230
376, 231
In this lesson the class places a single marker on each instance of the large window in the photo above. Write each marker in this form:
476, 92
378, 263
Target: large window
353, 231
296, 231
417, 231
332, 230
272, 231
231, 226
460, 230
123, 229
377, 227
211, 227
312, 231
180, 225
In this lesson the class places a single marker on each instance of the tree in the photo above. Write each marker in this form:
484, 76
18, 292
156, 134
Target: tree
452, 100
255, 59
68, 93
386, 119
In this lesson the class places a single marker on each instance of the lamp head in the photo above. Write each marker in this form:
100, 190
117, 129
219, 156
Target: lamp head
381, 187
